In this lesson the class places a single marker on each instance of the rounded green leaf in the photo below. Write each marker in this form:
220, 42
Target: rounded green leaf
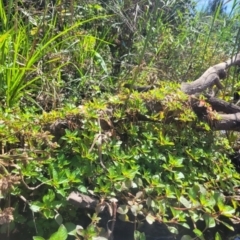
60, 234
58, 219
209, 221
173, 230
71, 228
35, 208
122, 209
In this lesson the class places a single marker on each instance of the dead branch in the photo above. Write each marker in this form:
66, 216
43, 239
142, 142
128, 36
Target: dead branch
222, 115
210, 77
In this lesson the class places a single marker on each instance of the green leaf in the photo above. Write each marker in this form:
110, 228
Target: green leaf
228, 226
61, 192
60, 234
203, 200
193, 192
124, 218
185, 202
173, 230
136, 209
211, 202
35, 208
101, 61
179, 175
184, 225
58, 219
219, 198
150, 218
202, 189
228, 211
194, 216
198, 233
122, 209
71, 228
218, 236
209, 221
38, 238
139, 236
82, 189
48, 213
170, 191
49, 197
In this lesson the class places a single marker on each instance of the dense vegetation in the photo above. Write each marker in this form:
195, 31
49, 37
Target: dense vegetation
81, 84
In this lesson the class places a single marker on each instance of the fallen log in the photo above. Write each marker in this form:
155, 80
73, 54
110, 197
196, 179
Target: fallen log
219, 114
228, 117
210, 77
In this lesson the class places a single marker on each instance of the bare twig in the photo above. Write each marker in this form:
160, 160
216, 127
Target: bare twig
27, 202
98, 140
31, 188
